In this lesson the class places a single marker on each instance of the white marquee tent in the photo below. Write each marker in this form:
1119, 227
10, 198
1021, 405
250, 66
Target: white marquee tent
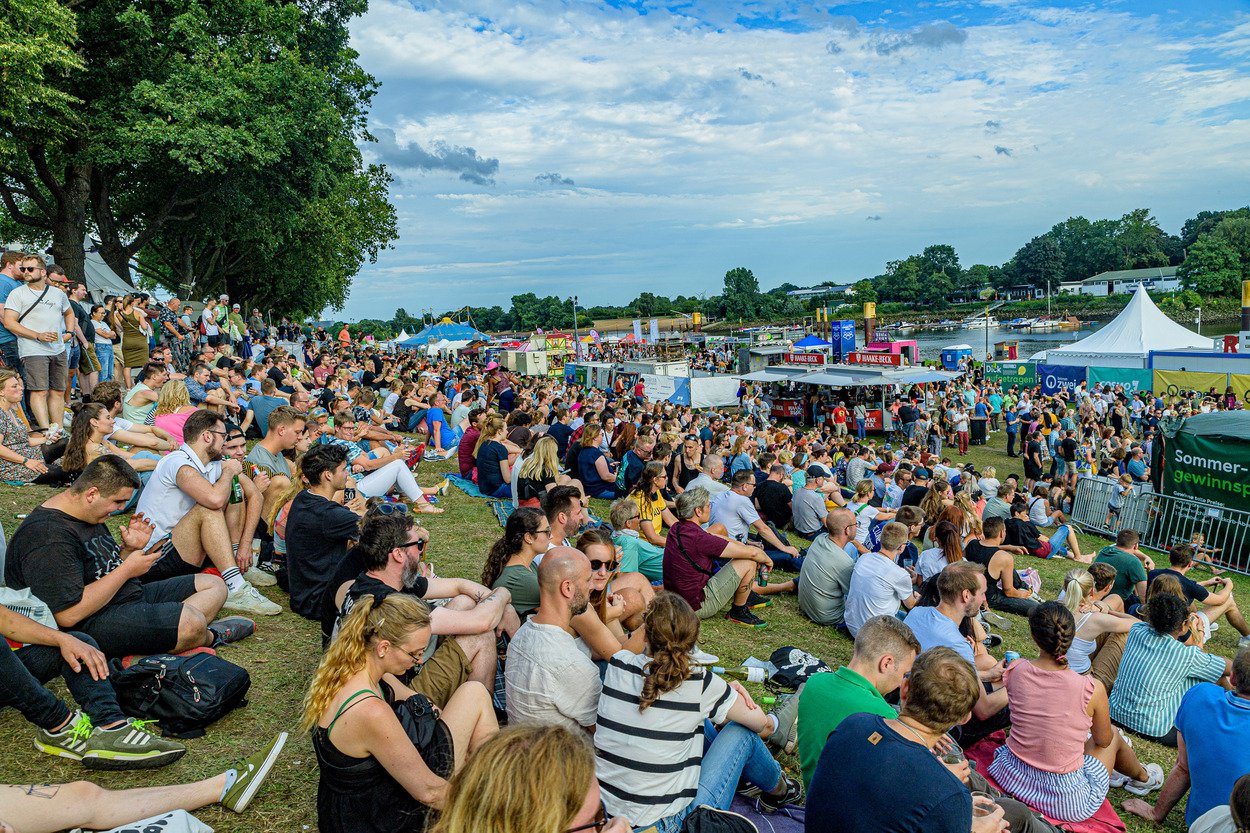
1127, 340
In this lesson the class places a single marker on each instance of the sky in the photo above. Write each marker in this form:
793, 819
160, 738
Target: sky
624, 146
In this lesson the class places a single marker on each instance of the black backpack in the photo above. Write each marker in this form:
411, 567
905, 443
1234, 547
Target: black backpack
795, 666
183, 694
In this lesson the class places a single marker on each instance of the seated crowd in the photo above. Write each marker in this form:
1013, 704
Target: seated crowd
582, 635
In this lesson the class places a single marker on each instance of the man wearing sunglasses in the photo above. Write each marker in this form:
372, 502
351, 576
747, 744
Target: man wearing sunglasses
39, 315
466, 627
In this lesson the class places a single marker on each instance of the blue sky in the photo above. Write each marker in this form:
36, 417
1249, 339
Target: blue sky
610, 148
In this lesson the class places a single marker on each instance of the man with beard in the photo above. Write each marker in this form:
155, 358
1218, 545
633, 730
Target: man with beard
391, 554
550, 677
192, 506
40, 316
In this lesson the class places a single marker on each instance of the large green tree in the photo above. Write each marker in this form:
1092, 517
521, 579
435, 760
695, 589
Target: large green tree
1039, 263
742, 294
173, 103
1212, 267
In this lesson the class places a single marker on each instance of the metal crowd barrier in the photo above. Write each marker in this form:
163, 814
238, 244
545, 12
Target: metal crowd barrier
1166, 520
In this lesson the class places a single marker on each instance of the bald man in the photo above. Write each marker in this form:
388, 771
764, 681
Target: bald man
826, 574
549, 675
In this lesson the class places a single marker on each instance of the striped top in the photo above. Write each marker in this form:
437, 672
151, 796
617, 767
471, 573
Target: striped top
1155, 673
648, 762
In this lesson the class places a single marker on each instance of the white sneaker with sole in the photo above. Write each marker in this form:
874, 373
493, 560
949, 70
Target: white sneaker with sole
702, 657
259, 578
247, 599
1146, 787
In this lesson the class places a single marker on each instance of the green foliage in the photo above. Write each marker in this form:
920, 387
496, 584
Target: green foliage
37, 50
1040, 263
742, 295
1212, 267
865, 292
1234, 230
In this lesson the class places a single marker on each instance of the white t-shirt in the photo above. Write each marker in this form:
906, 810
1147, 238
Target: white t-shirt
932, 561
713, 487
162, 501
864, 516
878, 588
736, 512
550, 678
46, 316
120, 424
209, 320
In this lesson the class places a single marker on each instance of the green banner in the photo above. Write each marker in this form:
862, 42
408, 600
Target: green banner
1023, 374
1131, 379
1210, 468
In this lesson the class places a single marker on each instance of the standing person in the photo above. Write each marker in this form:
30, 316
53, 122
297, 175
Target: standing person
960, 424
1011, 420
130, 323
87, 365
9, 280
39, 315
103, 341
660, 754
861, 421
209, 326
171, 332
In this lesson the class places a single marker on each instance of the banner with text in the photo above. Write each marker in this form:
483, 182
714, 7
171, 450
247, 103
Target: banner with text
843, 333
1178, 382
1131, 380
1059, 377
1007, 374
1210, 468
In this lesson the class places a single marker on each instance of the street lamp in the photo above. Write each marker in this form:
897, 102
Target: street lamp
1199, 311
577, 343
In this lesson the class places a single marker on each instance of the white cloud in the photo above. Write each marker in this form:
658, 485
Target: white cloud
682, 133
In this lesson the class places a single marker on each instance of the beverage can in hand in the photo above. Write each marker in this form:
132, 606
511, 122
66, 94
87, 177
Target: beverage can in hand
1009, 657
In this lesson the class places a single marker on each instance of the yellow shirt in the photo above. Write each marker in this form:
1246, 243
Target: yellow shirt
651, 510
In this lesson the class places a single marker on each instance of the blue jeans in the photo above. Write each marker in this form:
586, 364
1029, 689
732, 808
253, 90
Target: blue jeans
1059, 542
860, 430
733, 752
104, 352
23, 673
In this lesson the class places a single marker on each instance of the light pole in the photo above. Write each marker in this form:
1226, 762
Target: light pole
1199, 309
577, 344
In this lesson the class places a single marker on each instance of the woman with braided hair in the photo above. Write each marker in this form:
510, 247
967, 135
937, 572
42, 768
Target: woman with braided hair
510, 562
659, 755
1063, 753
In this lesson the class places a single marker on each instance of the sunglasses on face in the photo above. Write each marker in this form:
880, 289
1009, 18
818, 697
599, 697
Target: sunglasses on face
600, 822
29, 268
596, 565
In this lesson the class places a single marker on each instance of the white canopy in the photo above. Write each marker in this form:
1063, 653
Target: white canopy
1128, 339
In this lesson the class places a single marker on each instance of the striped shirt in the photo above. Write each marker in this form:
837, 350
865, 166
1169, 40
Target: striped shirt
1155, 673
648, 762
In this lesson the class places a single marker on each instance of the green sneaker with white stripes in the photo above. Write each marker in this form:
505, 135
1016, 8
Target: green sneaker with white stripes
130, 746
70, 742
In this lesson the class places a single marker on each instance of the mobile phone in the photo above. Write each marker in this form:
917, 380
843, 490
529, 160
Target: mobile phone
349, 494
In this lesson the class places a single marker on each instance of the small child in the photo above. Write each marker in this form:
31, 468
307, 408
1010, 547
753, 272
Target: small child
1118, 495
1203, 553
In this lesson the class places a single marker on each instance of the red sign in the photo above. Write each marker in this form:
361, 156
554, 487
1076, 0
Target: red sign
803, 358
873, 420
788, 408
894, 359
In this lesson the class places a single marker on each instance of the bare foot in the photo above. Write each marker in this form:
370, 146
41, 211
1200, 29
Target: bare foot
1140, 808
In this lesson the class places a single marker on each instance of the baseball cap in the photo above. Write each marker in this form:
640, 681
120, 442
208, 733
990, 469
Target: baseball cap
884, 468
818, 470
236, 306
223, 297
922, 474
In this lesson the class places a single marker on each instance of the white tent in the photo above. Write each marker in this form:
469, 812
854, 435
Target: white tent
101, 279
1128, 339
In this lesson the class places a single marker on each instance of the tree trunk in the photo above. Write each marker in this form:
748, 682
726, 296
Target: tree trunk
69, 226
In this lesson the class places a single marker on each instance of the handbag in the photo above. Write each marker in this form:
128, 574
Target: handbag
705, 819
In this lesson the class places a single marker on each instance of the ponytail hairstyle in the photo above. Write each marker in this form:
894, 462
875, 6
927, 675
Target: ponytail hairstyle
391, 620
946, 535
1053, 629
490, 430
523, 521
645, 486
1078, 585
671, 628
863, 490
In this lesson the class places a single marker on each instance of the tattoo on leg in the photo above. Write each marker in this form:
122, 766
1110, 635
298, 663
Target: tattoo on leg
38, 790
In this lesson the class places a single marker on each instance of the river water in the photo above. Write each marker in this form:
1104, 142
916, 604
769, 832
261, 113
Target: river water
931, 344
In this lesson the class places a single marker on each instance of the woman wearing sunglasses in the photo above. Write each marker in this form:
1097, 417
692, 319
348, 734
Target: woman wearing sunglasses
529, 779
600, 625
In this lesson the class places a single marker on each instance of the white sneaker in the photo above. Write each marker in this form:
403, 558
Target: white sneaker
247, 599
1118, 779
702, 657
259, 578
1146, 787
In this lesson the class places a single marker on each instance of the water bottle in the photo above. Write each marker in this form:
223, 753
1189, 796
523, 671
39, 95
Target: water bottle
236, 490
743, 674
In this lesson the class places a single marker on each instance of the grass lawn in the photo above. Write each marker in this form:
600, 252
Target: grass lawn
282, 655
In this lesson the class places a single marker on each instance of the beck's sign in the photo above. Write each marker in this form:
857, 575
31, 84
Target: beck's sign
803, 358
892, 359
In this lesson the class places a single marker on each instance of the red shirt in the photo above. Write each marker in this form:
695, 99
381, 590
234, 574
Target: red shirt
464, 453
839, 414
688, 567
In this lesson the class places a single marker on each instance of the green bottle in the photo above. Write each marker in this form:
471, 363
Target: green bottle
236, 490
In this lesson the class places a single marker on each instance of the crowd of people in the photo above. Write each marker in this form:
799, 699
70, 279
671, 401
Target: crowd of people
581, 639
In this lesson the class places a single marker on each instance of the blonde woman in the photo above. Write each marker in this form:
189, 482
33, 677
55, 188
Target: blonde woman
972, 518
376, 772
540, 472
1100, 631
173, 407
528, 779
865, 513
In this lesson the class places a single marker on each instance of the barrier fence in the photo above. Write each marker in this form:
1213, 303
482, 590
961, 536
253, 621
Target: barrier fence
1166, 520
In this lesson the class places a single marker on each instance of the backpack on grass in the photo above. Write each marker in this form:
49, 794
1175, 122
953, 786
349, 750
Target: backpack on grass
182, 694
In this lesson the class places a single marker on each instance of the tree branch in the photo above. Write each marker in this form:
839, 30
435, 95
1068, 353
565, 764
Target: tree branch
38, 157
10, 204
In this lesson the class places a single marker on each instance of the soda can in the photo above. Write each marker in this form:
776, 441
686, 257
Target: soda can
1009, 657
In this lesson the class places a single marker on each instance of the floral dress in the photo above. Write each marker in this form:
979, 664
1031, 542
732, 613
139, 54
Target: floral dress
16, 437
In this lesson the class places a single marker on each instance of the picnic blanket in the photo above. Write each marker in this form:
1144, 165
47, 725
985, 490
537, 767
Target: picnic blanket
465, 485
788, 820
1106, 820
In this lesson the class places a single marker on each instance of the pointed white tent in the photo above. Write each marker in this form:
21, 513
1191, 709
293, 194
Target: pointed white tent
1127, 340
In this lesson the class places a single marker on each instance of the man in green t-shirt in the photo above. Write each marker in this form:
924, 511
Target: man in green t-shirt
885, 649
1130, 565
